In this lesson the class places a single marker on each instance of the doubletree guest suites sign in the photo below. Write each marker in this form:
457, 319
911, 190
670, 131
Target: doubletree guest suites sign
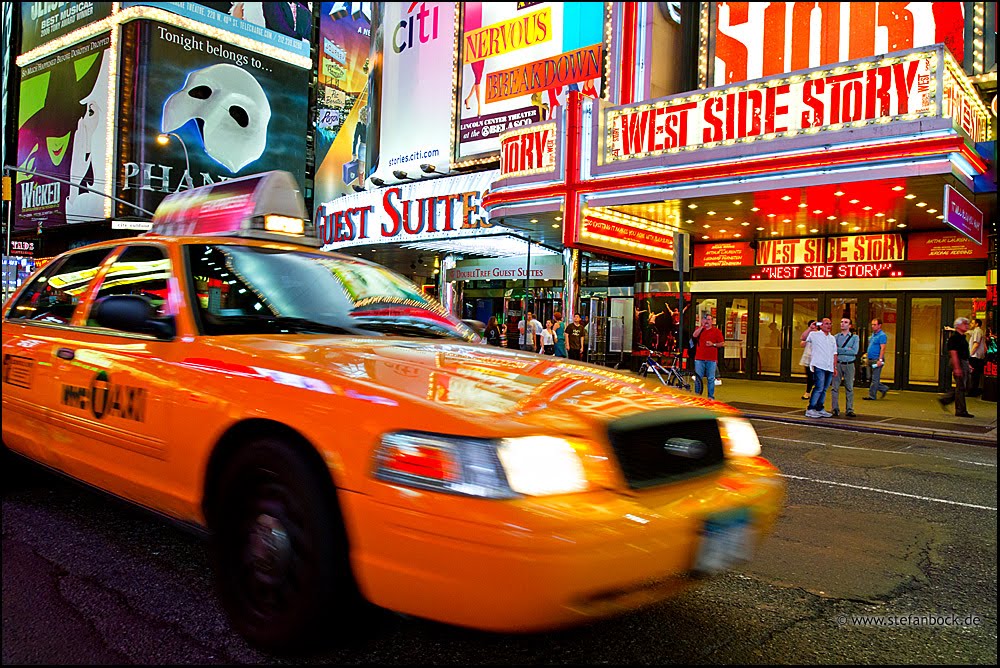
445, 208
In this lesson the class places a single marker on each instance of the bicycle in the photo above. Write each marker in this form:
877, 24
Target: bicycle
672, 372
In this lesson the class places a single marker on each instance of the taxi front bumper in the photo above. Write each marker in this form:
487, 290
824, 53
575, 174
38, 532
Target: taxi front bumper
542, 563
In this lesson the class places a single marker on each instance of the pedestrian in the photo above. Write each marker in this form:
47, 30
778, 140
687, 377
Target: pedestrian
977, 357
876, 359
576, 338
560, 330
824, 367
548, 339
531, 331
493, 334
847, 352
706, 357
958, 352
806, 359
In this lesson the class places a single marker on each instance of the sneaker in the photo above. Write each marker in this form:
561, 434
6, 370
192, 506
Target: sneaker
836, 412
868, 398
851, 414
964, 415
812, 414
806, 395
825, 414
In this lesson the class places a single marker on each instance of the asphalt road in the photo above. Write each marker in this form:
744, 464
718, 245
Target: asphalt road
901, 530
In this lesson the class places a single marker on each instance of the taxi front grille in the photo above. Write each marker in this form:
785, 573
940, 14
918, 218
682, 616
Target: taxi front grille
654, 452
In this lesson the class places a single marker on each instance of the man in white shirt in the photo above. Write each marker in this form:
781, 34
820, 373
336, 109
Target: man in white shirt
824, 367
531, 331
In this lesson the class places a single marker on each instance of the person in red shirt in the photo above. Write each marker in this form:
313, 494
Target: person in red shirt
706, 356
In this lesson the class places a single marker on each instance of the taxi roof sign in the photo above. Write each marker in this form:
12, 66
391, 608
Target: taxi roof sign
243, 207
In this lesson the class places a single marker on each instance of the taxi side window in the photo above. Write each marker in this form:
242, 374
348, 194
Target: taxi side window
139, 270
53, 295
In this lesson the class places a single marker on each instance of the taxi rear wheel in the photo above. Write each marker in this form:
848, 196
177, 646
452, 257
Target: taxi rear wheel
279, 548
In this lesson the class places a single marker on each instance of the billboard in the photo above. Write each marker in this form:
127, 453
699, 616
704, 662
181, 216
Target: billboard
517, 63
62, 132
286, 25
341, 117
752, 40
230, 112
412, 87
42, 22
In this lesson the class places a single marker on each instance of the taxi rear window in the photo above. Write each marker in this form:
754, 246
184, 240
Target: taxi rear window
242, 289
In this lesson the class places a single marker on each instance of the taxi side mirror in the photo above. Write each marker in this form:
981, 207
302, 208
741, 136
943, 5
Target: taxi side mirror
132, 313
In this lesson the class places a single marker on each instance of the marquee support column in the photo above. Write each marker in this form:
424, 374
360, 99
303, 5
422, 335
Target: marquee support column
571, 283
446, 289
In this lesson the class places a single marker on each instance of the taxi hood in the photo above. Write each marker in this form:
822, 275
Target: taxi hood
482, 381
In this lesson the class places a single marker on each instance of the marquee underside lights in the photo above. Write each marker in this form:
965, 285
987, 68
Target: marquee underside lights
506, 245
120, 16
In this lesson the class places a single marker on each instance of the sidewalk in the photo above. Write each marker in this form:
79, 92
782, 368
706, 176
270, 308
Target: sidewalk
904, 413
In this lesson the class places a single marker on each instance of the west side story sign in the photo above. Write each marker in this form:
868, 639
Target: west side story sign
898, 87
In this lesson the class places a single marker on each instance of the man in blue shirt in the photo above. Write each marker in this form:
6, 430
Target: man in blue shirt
847, 352
876, 359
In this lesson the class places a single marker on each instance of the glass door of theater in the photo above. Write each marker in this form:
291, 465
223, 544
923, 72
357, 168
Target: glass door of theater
731, 314
775, 349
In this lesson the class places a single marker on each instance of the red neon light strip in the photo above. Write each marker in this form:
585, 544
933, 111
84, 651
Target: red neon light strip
914, 149
626, 86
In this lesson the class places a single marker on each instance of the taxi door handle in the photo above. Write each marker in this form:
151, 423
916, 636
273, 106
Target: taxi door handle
65, 353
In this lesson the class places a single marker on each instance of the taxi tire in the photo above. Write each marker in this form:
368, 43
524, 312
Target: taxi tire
268, 477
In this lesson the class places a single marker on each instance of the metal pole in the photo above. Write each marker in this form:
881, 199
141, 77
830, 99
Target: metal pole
187, 163
8, 168
680, 301
527, 273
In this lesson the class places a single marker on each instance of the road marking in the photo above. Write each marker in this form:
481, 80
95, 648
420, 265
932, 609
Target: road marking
895, 452
887, 491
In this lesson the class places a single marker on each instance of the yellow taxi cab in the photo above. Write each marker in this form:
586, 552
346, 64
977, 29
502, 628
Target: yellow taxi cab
342, 438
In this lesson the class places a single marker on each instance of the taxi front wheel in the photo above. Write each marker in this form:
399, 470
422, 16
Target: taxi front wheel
279, 548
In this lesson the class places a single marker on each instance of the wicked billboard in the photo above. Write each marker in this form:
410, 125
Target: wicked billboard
203, 111
62, 132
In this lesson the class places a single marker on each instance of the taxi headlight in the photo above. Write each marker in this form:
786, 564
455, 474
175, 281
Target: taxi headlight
739, 438
496, 469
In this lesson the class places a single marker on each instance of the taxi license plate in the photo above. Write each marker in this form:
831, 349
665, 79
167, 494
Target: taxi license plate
726, 540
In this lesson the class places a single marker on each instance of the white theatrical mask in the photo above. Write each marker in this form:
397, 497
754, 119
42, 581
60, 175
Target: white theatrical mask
233, 109
88, 162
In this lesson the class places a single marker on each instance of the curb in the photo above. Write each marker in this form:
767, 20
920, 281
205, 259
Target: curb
950, 436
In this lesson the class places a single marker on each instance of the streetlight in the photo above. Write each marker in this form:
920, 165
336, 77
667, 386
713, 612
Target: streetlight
164, 139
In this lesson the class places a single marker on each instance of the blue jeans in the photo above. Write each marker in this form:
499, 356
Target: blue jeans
877, 385
705, 369
823, 379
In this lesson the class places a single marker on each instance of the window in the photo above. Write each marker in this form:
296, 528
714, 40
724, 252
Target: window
55, 293
139, 270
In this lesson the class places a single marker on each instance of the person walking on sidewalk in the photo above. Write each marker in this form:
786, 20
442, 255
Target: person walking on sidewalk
706, 357
806, 359
576, 338
824, 367
977, 357
847, 351
958, 352
876, 359
560, 330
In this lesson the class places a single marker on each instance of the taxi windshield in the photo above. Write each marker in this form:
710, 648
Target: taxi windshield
257, 290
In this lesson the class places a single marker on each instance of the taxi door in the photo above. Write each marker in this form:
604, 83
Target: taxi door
116, 387
36, 326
